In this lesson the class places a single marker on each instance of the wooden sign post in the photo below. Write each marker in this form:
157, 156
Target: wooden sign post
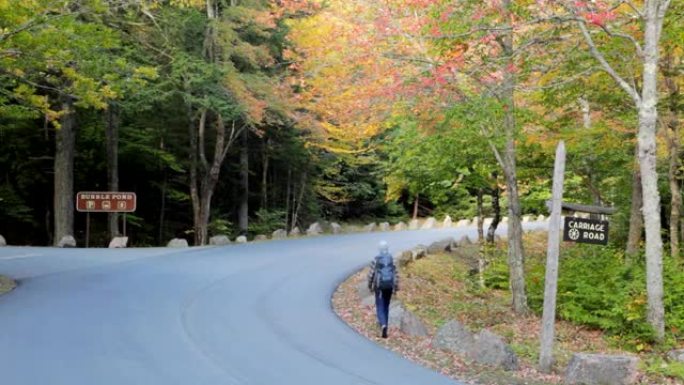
105, 202
552, 252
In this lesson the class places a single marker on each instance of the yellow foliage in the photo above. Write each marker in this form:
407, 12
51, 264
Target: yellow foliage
189, 3
146, 72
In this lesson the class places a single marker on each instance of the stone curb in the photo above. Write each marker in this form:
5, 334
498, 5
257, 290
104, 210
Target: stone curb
316, 229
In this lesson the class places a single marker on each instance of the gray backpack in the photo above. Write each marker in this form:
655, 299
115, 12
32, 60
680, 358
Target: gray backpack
385, 272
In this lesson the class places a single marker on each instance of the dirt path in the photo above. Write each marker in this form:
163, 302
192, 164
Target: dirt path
419, 349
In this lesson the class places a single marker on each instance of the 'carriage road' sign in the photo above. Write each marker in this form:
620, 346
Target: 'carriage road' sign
582, 230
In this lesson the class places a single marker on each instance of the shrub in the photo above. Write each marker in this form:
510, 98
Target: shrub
596, 288
267, 221
220, 226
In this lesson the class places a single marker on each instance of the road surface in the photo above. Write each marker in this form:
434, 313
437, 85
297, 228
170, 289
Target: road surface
252, 314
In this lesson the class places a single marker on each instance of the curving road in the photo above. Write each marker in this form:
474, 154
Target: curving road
243, 314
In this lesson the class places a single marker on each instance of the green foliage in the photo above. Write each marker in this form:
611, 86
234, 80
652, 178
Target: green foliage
220, 226
496, 275
596, 288
445, 167
267, 221
149, 61
13, 207
658, 366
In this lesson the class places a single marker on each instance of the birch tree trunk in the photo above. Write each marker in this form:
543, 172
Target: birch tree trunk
636, 218
64, 173
653, 14
648, 117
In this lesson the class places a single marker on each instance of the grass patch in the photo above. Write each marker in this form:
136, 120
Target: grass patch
6, 284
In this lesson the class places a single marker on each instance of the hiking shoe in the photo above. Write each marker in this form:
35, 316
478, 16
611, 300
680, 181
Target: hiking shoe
384, 331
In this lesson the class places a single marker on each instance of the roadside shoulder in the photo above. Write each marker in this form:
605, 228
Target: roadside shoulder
6, 284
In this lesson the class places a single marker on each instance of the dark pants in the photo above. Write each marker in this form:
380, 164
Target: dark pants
382, 303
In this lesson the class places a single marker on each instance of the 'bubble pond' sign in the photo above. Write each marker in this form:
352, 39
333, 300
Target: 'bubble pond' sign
106, 201
582, 230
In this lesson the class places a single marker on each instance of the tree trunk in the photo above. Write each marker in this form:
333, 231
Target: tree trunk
264, 174
298, 205
481, 262
162, 211
681, 225
201, 171
194, 191
674, 147
646, 104
496, 207
676, 199
515, 246
648, 116
243, 215
288, 192
590, 159
416, 202
112, 139
480, 217
211, 172
516, 259
64, 173
636, 219
48, 225
586, 112
205, 210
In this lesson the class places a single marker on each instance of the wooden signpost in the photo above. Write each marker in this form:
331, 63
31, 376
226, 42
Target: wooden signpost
552, 252
105, 202
578, 230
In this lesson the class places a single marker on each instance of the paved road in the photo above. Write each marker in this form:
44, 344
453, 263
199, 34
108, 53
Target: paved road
244, 314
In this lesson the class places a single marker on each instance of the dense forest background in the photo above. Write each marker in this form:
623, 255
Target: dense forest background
244, 116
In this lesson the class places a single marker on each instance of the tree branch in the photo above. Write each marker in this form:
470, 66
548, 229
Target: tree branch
625, 36
41, 19
200, 145
634, 8
606, 66
234, 133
